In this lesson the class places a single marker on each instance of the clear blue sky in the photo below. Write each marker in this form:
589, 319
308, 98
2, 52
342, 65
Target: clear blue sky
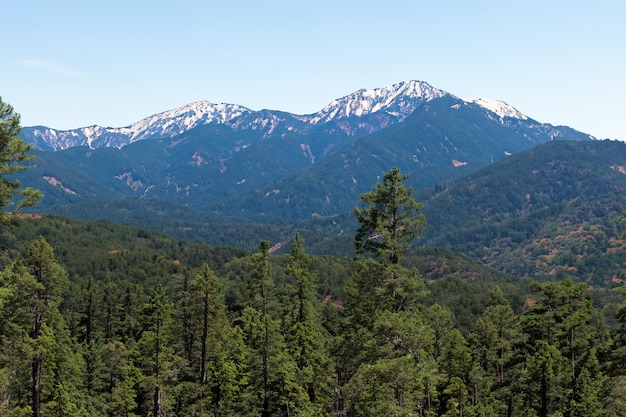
67, 64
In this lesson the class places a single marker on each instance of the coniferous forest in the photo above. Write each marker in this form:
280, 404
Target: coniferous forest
98, 319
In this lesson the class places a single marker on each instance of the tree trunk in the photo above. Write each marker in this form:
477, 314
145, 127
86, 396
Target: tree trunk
266, 354
157, 390
36, 371
157, 401
36, 385
544, 395
205, 336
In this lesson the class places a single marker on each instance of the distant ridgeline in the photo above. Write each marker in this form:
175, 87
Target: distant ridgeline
240, 165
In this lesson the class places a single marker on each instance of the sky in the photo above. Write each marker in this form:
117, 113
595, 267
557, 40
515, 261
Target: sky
70, 63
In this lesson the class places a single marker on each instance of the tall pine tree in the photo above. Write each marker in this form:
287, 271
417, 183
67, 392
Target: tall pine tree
391, 221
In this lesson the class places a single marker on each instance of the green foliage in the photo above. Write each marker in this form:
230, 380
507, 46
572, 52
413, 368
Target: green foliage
155, 355
143, 324
13, 158
391, 221
550, 212
560, 351
304, 334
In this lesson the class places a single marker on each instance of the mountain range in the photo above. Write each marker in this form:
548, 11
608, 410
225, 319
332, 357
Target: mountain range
497, 185
389, 105
275, 167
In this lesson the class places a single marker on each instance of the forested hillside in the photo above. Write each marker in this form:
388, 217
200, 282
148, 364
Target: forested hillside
100, 320
550, 212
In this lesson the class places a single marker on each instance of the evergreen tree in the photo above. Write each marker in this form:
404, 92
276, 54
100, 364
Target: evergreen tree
155, 354
267, 327
64, 373
219, 355
391, 379
45, 364
122, 378
383, 365
185, 318
17, 288
13, 156
273, 387
305, 336
391, 221
205, 284
51, 281
83, 310
496, 333
112, 309
559, 349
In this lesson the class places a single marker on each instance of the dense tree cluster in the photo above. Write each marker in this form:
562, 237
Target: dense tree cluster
111, 346
257, 338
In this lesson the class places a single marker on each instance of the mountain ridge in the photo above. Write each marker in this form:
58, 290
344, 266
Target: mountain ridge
289, 176
387, 106
447, 138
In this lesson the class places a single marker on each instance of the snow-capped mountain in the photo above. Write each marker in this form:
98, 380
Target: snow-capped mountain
362, 112
166, 124
271, 164
182, 119
393, 103
399, 100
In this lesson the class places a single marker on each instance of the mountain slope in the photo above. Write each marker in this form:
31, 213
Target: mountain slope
444, 139
553, 210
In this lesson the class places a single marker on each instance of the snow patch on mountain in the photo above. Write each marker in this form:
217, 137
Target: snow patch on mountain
264, 121
498, 107
400, 100
390, 104
165, 124
174, 122
360, 113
